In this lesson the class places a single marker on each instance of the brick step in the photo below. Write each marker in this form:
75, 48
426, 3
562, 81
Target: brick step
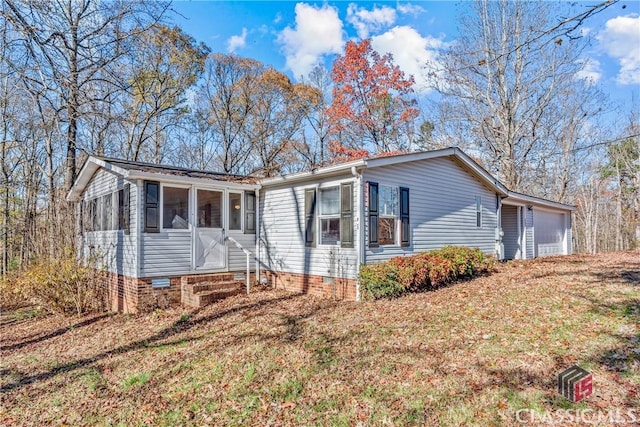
207, 297
209, 278
197, 288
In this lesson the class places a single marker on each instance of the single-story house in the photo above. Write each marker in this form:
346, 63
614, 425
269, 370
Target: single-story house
159, 232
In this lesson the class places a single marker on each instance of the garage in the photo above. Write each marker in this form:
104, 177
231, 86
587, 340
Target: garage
549, 232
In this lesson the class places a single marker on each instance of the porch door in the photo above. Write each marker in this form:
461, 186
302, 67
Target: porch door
210, 248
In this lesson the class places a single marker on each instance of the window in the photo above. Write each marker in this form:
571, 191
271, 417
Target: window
209, 209
151, 202
478, 211
330, 215
249, 213
335, 212
107, 212
175, 208
388, 205
235, 211
92, 212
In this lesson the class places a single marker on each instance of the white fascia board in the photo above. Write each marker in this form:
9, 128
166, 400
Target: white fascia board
521, 199
89, 168
319, 173
177, 179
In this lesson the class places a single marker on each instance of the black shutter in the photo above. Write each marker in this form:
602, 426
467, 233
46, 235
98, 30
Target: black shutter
151, 207
126, 209
309, 217
249, 213
346, 215
405, 232
373, 215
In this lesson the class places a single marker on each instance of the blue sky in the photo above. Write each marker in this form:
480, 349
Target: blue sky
295, 36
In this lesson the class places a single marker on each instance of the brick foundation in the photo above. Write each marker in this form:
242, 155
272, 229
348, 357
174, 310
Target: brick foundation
343, 289
130, 295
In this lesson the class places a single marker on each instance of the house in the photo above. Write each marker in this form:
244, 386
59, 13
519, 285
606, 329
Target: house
166, 234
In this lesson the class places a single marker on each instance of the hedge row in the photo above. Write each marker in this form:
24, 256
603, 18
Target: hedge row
426, 270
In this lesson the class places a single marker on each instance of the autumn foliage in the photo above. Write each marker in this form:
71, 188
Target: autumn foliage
371, 105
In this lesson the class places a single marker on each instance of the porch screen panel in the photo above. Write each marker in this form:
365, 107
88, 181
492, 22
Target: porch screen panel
209, 209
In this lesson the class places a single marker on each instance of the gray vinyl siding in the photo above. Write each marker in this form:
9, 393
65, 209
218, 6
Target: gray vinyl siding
283, 233
529, 233
511, 239
442, 207
113, 250
237, 258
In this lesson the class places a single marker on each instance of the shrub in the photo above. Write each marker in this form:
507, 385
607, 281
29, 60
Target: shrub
426, 270
58, 286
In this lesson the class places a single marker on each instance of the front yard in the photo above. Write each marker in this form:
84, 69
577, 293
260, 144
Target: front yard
481, 352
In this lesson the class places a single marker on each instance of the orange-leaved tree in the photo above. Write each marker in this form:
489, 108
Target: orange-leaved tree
372, 104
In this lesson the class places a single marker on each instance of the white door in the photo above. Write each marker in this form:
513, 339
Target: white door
210, 248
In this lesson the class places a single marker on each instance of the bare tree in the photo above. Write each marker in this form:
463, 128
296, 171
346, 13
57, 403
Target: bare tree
75, 45
511, 95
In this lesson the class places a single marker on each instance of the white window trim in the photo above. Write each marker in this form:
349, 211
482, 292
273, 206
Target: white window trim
241, 194
161, 206
320, 216
395, 217
478, 209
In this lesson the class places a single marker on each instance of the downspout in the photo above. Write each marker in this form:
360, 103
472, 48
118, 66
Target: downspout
258, 227
361, 243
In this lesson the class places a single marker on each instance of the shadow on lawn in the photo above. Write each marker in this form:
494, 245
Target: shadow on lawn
56, 333
620, 273
182, 325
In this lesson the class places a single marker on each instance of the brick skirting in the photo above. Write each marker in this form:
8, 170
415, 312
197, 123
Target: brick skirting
343, 289
130, 295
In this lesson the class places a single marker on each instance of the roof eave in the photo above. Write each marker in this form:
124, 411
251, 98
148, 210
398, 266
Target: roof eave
526, 199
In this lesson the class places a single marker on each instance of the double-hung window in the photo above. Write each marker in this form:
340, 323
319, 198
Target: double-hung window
388, 215
330, 215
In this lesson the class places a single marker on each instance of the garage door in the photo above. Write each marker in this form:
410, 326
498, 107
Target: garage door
549, 228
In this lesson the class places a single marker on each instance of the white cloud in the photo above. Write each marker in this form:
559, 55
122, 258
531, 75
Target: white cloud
317, 32
237, 42
591, 70
621, 40
410, 9
368, 21
410, 51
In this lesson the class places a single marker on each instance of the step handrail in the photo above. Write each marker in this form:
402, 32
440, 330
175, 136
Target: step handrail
248, 254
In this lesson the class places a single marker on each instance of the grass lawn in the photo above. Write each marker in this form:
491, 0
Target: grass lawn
474, 353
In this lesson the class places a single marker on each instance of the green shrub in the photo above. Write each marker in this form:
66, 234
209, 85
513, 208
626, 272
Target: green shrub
58, 286
425, 270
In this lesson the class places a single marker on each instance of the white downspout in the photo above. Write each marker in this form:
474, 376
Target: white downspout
361, 243
258, 228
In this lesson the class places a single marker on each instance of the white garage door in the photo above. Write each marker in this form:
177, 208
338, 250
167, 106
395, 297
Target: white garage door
549, 228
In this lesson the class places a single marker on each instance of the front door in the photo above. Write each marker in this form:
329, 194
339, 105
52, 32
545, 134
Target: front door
210, 247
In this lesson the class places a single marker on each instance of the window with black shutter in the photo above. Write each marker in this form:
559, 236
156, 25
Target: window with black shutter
405, 232
309, 217
373, 215
346, 215
151, 211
